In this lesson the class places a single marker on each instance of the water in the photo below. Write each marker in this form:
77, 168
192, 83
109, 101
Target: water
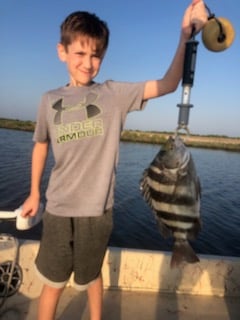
134, 225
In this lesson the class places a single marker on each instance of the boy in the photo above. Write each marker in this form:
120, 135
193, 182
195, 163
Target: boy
83, 122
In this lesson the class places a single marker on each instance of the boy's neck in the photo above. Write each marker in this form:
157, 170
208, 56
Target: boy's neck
80, 85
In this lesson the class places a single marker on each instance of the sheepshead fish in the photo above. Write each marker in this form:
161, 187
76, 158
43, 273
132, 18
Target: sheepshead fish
171, 187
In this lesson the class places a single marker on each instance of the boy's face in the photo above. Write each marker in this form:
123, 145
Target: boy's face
82, 60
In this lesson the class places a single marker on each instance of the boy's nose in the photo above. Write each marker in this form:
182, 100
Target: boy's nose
87, 62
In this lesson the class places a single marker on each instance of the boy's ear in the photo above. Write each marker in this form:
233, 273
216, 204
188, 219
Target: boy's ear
61, 52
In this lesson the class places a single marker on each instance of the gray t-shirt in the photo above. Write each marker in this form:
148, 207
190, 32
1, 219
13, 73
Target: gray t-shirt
84, 125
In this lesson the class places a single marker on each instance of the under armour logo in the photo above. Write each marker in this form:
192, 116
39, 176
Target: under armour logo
91, 109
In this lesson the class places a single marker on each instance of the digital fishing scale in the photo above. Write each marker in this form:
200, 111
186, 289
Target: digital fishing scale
217, 35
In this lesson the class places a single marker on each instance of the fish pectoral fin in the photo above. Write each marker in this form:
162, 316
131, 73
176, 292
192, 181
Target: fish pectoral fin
163, 229
198, 188
192, 233
182, 252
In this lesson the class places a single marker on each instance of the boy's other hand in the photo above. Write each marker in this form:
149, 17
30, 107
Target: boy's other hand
30, 207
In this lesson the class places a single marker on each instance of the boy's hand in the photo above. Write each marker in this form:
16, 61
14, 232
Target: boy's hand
30, 207
195, 17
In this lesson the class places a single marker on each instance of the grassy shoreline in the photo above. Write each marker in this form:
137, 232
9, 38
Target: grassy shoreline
196, 141
15, 124
152, 137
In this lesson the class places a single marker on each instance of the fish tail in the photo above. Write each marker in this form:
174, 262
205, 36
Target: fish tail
182, 251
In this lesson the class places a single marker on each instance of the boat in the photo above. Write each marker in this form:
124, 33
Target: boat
138, 284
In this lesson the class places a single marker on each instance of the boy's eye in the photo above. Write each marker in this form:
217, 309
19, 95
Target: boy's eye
96, 55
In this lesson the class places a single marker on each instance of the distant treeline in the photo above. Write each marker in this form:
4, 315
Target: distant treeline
15, 124
198, 141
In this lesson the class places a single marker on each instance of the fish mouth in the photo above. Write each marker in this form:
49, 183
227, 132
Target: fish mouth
173, 142
175, 149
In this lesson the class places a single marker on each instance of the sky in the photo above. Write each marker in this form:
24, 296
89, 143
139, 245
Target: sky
143, 39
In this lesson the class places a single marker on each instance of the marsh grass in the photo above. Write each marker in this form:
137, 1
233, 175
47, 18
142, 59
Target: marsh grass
152, 137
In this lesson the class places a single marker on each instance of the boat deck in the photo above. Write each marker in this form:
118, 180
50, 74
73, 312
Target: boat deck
139, 285
134, 305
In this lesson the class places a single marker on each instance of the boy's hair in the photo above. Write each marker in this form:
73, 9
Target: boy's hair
82, 23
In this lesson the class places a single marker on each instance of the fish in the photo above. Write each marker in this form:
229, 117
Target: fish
171, 187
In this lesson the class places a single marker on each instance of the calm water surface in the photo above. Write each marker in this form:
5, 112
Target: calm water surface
134, 225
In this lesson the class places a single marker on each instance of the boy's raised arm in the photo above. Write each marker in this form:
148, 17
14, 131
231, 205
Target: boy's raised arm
195, 17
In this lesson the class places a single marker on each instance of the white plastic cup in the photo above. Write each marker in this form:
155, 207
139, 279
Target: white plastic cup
25, 223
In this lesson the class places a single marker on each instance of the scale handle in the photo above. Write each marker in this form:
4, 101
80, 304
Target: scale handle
187, 82
189, 62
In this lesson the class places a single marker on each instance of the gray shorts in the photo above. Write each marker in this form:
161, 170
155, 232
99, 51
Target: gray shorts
73, 245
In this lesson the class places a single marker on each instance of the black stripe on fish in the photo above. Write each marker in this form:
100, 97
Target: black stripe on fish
191, 231
174, 217
177, 199
159, 177
179, 231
